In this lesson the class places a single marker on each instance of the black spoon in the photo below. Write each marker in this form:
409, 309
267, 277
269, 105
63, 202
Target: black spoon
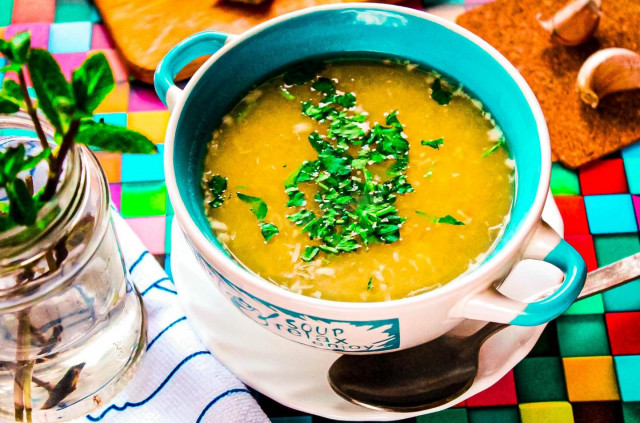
437, 372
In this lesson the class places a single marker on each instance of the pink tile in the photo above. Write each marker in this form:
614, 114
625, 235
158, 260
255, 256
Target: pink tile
116, 195
39, 33
636, 207
151, 231
100, 38
69, 61
143, 98
25, 11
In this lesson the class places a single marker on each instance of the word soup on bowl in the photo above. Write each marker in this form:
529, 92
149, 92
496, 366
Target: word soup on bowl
358, 180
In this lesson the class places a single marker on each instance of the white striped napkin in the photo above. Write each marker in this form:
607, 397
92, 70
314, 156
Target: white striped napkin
178, 380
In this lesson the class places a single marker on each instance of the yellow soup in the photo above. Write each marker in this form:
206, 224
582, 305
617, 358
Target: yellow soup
398, 175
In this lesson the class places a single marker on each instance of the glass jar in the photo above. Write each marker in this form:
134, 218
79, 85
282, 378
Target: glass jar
72, 326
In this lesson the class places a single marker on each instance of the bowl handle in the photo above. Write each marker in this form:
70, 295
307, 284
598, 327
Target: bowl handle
546, 245
200, 44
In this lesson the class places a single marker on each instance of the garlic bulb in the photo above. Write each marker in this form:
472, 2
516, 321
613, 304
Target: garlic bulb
607, 71
575, 23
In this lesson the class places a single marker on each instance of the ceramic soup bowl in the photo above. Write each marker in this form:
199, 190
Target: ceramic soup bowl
240, 62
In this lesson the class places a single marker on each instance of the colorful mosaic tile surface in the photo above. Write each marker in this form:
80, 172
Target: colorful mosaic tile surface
586, 365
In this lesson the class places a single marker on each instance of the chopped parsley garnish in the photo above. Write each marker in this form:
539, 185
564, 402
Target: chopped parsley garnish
216, 186
448, 219
433, 143
268, 230
259, 209
286, 94
370, 284
354, 206
439, 94
499, 144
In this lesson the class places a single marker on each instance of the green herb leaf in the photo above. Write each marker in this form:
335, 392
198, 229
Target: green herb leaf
302, 73
8, 105
48, 83
257, 205
11, 89
268, 230
448, 219
370, 284
217, 185
114, 138
325, 86
286, 94
31, 162
91, 82
20, 45
22, 207
439, 94
309, 253
5, 48
499, 144
433, 143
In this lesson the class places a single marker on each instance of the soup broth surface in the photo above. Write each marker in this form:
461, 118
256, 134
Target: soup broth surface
462, 188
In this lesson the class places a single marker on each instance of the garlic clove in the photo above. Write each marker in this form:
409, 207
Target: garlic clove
607, 71
575, 23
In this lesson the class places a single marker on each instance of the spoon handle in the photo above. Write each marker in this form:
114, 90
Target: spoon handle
612, 275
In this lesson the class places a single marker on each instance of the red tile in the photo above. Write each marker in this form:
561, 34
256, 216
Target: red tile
584, 244
502, 393
30, 11
573, 214
603, 177
624, 332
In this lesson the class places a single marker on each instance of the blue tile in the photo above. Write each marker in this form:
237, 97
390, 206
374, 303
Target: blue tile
632, 151
632, 170
118, 119
627, 371
143, 167
623, 298
610, 214
70, 37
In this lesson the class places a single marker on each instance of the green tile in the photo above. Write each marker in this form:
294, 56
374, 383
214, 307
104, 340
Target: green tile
494, 415
141, 199
72, 11
591, 305
564, 181
631, 412
540, 379
582, 336
547, 344
167, 237
611, 248
6, 10
453, 415
169, 207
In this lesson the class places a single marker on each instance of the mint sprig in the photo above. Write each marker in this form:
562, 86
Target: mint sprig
69, 108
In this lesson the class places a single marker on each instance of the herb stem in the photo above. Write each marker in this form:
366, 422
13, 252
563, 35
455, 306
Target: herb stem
24, 368
32, 111
55, 164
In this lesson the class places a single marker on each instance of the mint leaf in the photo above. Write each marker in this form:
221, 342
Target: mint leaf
30, 162
48, 83
257, 205
8, 105
22, 207
11, 89
114, 138
5, 48
439, 94
268, 231
91, 82
20, 45
433, 143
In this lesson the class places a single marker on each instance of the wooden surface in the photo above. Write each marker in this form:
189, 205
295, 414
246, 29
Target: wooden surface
145, 30
579, 133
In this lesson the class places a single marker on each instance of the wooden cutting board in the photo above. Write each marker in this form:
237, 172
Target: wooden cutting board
579, 133
145, 30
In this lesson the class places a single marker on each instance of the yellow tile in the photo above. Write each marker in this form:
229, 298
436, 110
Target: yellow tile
546, 412
151, 124
112, 165
590, 379
117, 100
